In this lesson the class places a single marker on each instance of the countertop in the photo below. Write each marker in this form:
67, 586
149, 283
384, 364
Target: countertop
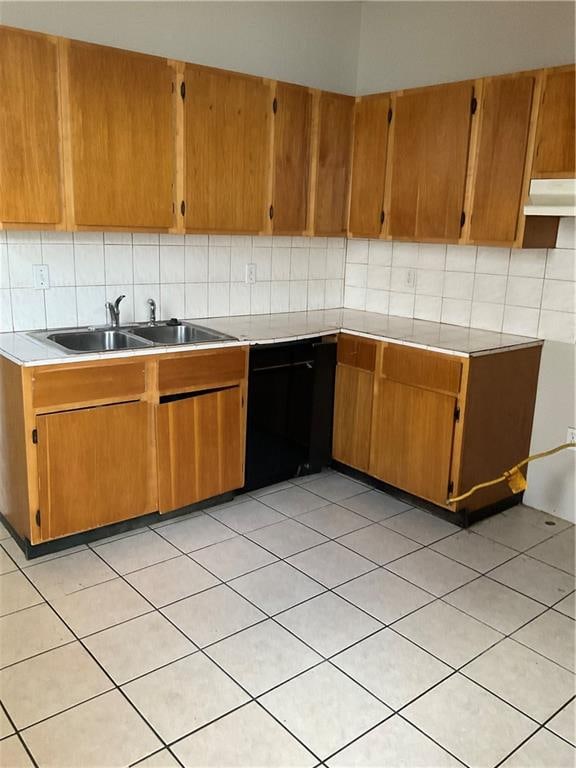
265, 329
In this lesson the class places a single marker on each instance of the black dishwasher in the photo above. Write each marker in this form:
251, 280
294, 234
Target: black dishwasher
290, 404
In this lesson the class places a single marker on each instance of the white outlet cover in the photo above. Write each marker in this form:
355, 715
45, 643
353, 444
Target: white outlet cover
41, 276
250, 273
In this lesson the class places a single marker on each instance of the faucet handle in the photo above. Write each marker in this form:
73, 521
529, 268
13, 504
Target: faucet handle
152, 304
118, 300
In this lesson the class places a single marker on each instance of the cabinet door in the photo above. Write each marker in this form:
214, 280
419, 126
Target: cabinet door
412, 435
200, 447
498, 167
30, 170
427, 167
95, 467
334, 149
369, 165
352, 416
555, 140
292, 137
121, 133
227, 151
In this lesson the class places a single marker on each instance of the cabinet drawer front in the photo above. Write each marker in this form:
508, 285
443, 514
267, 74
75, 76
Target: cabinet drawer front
421, 368
201, 370
70, 386
357, 352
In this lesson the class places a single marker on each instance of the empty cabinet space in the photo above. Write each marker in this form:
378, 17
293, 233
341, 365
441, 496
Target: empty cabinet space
120, 108
30, 159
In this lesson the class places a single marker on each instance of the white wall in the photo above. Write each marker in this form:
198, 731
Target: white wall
314, 43
408, 44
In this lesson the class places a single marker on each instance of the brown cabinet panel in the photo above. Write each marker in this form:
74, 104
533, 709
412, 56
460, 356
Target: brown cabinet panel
356, 352
227, 137
200, 447
95, 467
498, 167
412, 436
121, 133
352, 416
334, 149
201, 370
30, 164
292, 137
555, 136
369, 165
428, 160
421, 368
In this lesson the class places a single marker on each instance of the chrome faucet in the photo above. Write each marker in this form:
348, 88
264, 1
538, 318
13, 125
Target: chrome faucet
152, 317
114, 311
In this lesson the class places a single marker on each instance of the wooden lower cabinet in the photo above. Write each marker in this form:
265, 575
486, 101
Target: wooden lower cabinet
200, 446
95, 467
352, 416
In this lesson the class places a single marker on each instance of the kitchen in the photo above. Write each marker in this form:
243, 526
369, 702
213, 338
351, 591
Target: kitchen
263, 320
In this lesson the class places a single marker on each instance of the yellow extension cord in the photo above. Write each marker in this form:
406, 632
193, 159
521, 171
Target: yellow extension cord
513, 476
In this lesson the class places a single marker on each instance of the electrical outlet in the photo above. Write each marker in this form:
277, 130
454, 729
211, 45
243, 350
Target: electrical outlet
571, 435
41, 276
250, 273
410, 278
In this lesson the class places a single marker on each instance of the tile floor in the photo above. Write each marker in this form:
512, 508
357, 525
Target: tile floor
314, 623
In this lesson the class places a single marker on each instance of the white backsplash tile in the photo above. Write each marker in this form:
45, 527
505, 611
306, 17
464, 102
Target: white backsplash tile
172, 300
28, 309
377, 300
218, 299
561, 264
487, 316
492, 261
432, 256
60, 261
428, 308
21, 258
260, 298
4, 267
280, 296
90, 300
490, 288
298, 295
196, 295
524, 291
172, 263
5, 310
280, 264
146, 264
558, 295
458, 285
299, 258
89, 263
61, 307
239, 299
461, 258
521, 320
118, 264
456, 311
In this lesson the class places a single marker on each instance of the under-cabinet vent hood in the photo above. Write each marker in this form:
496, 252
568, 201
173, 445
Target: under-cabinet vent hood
551, 197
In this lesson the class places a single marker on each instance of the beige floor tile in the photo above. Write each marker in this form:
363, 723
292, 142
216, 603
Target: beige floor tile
294, 501
47, 684
276, 587
557, 551
375, 505
394, 743
421, 526
6, 727
262, 656
537, 518
13, 754
19, 557
325, 709
511, 532
567, 606
95, 608
213, 615
431, 571
523, 678
495, 604
184, 696
391, 667
469, 722
68, 574
536, 579
543, 749
473, 550
331, 564
195, 532
328, 623
450, 635
552, 635
335, 487
247, 516
383, 595
333, 520
104, 731
6, 563
162, 759
260, 492
17, 593
245, 738
233, 557
134, 552
564, 723
138, 646
171, 580
26, 633
378, 543
287, 538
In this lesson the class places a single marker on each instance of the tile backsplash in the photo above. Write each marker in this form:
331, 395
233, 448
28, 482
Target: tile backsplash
188, 276
530, 292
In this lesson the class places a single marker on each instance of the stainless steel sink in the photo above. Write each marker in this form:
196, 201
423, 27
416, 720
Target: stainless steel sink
183, 333
96, 340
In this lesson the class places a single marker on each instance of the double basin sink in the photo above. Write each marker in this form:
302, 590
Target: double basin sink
131, 337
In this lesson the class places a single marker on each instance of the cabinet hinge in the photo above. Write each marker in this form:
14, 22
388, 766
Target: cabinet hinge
473, 105
35, 436
390, 115
450, 487
457, 413
271, 212
275, 105
37, 518
183, 89
382, 217
182, 207
462, 219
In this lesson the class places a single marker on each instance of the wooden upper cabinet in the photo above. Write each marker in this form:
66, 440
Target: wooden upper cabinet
227, 143
292, 137
335, 120
428, 159
503, 111
121, 137
30, 161
371, 116
555, 138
